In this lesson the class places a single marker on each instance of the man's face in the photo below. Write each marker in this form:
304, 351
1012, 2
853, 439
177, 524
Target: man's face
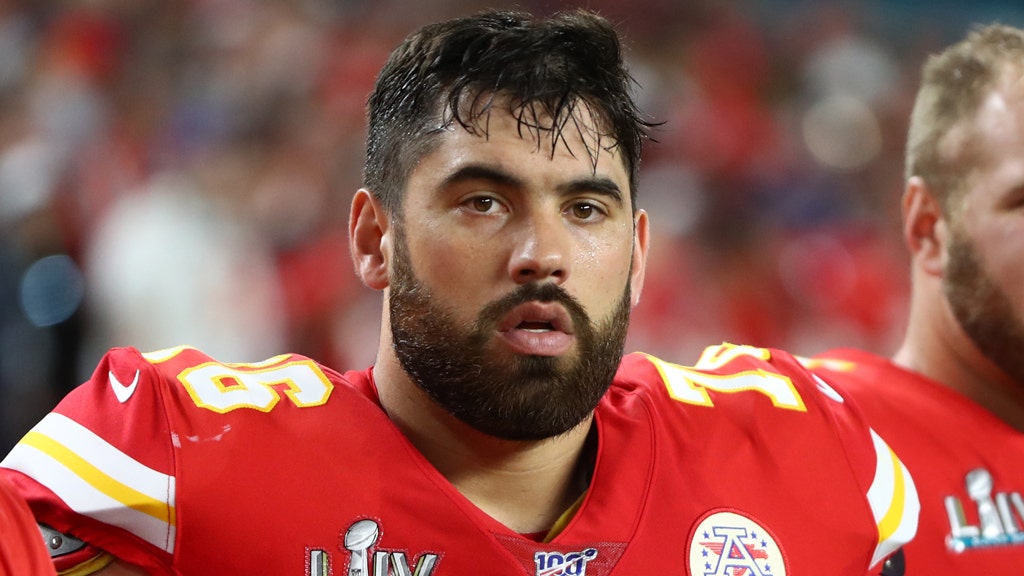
984, 276
513, 274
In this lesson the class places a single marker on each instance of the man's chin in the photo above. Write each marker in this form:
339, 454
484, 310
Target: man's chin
509, 357
529, 433
538, 366
550, 343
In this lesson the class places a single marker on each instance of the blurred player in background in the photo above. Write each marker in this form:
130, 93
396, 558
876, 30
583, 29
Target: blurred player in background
951, 400
500, 430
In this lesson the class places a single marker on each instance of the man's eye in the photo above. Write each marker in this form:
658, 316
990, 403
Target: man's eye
483, 204
584, 211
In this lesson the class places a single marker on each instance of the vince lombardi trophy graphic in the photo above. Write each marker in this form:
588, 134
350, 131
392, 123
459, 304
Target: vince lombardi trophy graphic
358, 540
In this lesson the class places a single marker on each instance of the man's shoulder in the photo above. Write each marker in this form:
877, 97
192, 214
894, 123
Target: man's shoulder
743, 392
856, 366
761, 407
876, 381
143, 407
895, 398
188, 378
727, 375
148, 428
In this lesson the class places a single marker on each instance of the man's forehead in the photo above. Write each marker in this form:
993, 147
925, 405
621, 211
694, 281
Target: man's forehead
999, 120
575, 128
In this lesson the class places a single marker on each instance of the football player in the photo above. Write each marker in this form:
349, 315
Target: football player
951, 399
500, 431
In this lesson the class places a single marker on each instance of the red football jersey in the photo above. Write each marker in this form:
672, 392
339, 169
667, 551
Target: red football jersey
21, 545
968, 464
747, 466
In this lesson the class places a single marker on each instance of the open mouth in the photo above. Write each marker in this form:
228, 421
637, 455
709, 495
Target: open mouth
537, 317
538, 328
535, 326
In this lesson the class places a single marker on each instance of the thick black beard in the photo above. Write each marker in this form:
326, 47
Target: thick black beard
985, 312
525, 398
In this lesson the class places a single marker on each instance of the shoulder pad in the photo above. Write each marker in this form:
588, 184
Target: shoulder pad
71, 556
58, 543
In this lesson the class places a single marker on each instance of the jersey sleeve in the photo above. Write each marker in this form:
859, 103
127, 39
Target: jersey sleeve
886, 483
101, 465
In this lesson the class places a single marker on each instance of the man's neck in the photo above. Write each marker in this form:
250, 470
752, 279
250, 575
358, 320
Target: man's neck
525, 486
948, 356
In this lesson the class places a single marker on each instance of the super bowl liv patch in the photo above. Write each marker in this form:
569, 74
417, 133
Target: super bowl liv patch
999, 515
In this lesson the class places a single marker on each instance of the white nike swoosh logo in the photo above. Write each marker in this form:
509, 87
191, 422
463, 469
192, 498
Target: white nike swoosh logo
123, 392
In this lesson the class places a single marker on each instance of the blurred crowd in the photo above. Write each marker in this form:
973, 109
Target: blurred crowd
178, 172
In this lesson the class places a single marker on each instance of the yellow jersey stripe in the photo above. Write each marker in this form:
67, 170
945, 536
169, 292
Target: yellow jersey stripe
125, 494
890, 521
85, 499
96, 479
107, 458
90, 566
893, 500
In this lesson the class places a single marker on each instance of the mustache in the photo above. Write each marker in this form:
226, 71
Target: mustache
533, 292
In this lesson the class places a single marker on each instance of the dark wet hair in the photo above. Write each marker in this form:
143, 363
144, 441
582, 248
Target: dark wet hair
547, 71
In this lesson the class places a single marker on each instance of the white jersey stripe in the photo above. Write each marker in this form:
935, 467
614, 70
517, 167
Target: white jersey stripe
893, 500
158, 509
96, 479
106, 457
85, 499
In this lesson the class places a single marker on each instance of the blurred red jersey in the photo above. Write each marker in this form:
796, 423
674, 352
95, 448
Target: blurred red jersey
22, 552
744, 466
968, 464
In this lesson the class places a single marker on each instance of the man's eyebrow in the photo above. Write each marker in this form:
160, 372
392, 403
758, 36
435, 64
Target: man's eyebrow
595, 184
482, 172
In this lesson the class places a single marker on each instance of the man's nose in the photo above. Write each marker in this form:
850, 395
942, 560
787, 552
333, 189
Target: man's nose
541, 251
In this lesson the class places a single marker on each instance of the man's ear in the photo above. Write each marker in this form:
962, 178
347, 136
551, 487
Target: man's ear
641, 241
925, 228
369, 239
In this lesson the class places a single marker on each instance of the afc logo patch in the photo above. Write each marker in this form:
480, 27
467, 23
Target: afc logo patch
727, 543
